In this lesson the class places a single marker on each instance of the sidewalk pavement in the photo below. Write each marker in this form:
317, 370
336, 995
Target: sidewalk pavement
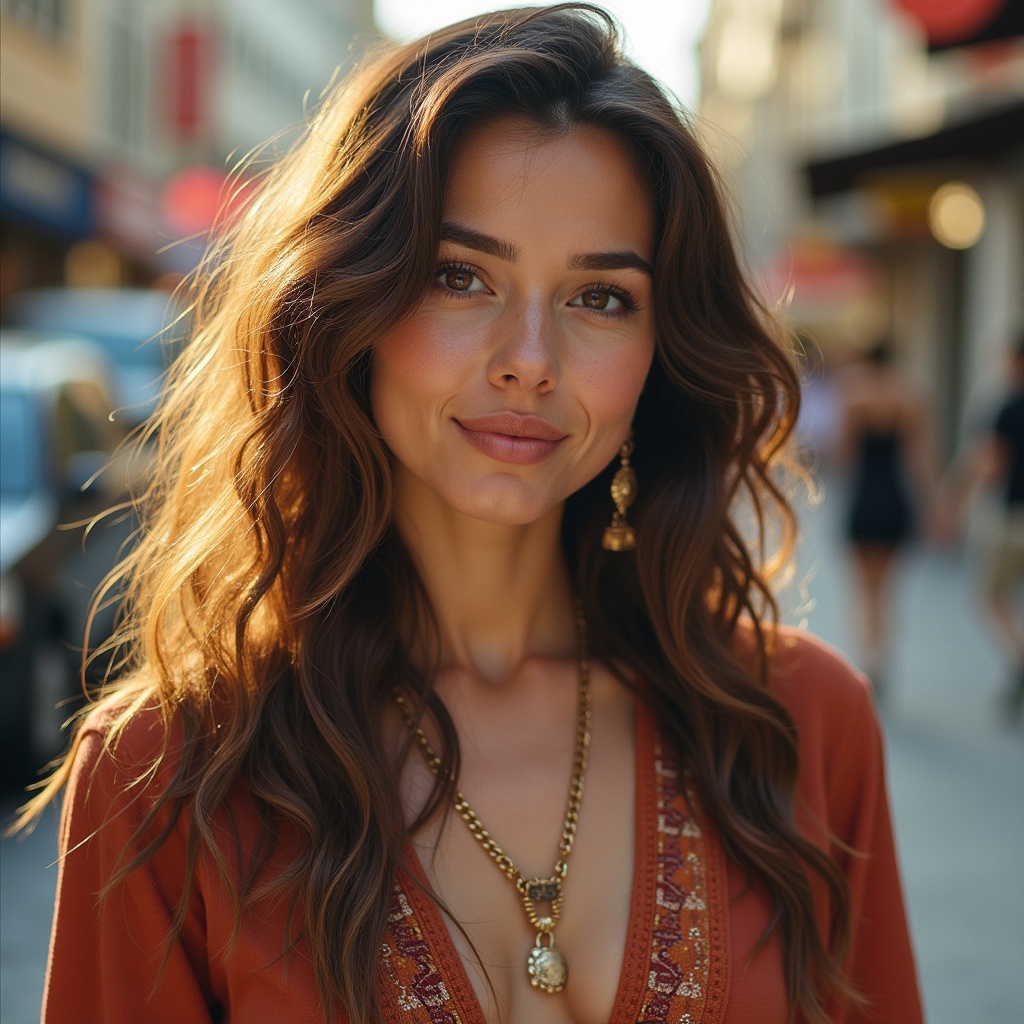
956, 773
956, 768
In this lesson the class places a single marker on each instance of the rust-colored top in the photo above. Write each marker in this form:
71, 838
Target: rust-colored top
694, 918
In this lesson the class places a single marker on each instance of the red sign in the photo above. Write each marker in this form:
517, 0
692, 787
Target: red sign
951, 21
189, 84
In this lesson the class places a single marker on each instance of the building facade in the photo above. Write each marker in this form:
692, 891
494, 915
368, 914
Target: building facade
853, 131
114, 111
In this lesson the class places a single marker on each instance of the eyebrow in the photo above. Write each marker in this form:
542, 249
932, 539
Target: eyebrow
451, 232
619, 259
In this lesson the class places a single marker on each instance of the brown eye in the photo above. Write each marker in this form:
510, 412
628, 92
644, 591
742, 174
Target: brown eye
458, 280
607, 299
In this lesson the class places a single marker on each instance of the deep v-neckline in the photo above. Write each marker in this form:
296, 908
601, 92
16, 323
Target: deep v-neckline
414, 903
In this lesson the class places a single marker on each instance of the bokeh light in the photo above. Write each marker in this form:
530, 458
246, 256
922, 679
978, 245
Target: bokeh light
956, 215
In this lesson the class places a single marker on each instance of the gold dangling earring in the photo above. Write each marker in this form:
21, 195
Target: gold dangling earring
620, 536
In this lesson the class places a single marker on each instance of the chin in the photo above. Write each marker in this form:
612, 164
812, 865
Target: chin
505, 506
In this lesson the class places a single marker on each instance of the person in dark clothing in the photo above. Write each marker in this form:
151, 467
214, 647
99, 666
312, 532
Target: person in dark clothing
886, 441
997, 460
881, 511
1009, 434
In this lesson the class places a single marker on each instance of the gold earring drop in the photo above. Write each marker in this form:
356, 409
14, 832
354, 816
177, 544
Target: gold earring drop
620, 536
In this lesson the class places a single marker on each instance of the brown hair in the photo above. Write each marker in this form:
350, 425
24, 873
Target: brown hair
267, 589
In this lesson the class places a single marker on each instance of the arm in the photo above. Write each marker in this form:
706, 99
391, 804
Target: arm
106, 951
923, 450
980, 465
847, 392
843, 806
881, 960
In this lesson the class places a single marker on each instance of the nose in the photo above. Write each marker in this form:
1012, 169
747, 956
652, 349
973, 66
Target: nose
526, 354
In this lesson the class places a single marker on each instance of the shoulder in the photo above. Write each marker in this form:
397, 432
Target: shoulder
135, 775
812, 678
828, 699
124, 753
129, 730
135, 725
838, 732
808, 676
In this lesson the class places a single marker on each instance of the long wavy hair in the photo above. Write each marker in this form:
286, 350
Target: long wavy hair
269, 598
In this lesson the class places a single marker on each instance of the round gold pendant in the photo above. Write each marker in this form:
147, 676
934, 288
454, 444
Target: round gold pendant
547, 967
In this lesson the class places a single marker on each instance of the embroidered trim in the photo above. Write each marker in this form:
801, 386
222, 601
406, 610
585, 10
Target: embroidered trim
417, 986
685, 966
677, 982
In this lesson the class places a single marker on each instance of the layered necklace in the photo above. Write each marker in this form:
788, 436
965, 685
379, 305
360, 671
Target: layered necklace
545, 964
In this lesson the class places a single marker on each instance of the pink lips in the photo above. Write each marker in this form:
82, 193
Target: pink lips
511, 437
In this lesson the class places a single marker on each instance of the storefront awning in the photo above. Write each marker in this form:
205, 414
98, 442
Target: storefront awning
987, 135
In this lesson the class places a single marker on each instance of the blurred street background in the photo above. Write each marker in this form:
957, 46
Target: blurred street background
873, 151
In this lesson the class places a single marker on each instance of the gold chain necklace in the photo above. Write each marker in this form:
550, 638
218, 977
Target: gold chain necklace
546, 966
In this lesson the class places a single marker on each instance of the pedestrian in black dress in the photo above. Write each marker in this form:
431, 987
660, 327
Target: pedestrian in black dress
887, 445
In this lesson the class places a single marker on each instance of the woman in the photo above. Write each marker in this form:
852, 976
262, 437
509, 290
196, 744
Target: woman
886, 440
392, 569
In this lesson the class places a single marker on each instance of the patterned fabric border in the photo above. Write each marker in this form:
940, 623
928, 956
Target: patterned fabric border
677, 984
417, 979
419, 991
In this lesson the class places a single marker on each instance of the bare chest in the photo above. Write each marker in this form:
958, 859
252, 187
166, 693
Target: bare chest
519, 789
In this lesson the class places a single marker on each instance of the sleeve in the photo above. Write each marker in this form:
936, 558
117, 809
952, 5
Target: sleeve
107, 951
881, 960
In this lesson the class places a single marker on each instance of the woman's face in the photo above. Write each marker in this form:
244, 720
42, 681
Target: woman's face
515, 380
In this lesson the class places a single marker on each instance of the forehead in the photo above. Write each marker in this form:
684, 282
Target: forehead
513, 177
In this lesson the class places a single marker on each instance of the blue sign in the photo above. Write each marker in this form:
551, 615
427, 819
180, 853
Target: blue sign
41, 189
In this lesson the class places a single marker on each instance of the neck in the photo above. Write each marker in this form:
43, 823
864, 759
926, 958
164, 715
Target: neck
500, 593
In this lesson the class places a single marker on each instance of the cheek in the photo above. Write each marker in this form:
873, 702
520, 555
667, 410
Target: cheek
404, 363
423, 360
612, 388
393, 383
615, 380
